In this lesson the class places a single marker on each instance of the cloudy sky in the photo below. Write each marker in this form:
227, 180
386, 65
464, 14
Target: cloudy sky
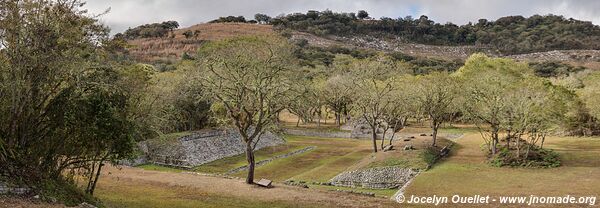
130, 13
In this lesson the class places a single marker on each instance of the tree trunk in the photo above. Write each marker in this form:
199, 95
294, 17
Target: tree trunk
393, 132
435, 125
96, 179
298, 122
543, 139
494, 140
374, 135
251, 163
319, 118
383, 138
519, 146
508, 140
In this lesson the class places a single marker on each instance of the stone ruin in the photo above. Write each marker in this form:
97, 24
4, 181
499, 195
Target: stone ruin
200, 147
360, 129
375, 178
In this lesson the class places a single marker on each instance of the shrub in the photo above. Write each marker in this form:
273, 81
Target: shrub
536, 158
430, 155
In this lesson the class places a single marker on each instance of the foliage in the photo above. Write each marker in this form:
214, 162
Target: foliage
248, 77
262, 18
553, 68
66, 108
436, 95
511, 34
241, 19
372, 92
537, 158
430, 155
503, 96
154, 30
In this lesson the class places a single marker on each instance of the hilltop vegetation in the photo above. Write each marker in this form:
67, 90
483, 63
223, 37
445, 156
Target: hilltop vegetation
509, 35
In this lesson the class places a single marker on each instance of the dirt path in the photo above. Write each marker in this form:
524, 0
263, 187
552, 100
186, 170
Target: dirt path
237, 188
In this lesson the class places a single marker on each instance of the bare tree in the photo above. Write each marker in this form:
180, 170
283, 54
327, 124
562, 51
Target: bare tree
247, 78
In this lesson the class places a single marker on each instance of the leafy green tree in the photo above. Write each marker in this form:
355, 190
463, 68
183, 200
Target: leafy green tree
262, 18
372, 92
64, 104
400, 110
504, 96
248, 78
437, 94
362, 14
336, 92
487, 82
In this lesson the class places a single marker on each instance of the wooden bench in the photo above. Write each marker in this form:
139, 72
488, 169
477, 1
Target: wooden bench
265, 183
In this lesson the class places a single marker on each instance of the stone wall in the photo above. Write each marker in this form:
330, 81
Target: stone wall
316, 133
6, 189
205, 146
375, 178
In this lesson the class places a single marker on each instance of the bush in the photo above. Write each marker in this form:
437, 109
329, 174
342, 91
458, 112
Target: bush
537, 158
430, 155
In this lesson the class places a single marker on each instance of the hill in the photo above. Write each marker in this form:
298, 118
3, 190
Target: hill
509, 35
167, 49
163, 49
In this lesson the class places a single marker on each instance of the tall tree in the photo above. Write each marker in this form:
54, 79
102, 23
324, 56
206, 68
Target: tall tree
336, 93
372, 92
63, 105
248, 77
487, 84
436, 94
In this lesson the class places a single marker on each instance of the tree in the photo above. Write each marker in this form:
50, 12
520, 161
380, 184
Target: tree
402, 107
64, 108
362, 14
372, 92
336, 93
247, 78
487, 82
503, 96
262, 18
436, 94
305, 102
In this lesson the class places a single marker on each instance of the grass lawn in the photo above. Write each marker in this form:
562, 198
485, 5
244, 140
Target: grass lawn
228, 163
160, 168
331, 157
386, 193
467, 173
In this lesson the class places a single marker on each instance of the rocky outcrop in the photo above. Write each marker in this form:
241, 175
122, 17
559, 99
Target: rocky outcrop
375, 178
202, 147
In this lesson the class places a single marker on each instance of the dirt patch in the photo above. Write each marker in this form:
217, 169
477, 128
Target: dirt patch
237, 188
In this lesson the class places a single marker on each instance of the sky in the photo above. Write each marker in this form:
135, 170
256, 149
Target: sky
124, 14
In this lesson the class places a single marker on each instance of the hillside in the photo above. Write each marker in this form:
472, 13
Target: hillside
168, 49
172, 47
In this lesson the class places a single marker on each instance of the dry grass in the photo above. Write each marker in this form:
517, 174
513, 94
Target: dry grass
465, 173
153, 49
133, 187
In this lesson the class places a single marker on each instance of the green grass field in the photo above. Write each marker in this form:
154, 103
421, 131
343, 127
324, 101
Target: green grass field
467, 173
464, 172
331, 157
